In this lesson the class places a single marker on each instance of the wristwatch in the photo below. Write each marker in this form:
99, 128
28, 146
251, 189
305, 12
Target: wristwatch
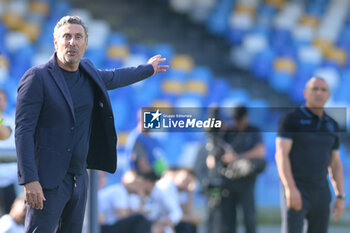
341, 196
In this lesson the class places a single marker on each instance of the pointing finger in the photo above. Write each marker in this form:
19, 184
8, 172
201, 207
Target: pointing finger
160, 71
156, 56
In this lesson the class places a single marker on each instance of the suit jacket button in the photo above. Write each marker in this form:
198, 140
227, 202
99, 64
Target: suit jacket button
69, 149
72, 128
101, 104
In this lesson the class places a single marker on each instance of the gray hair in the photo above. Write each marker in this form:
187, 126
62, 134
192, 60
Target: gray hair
69, 20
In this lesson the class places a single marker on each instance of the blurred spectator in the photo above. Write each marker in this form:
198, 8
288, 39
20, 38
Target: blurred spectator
144, 151
8, 179
5, 130
14, 221
207, 168
8, 172
155, 202
162, 206
185, 182
241, 166
166, 207
120, 209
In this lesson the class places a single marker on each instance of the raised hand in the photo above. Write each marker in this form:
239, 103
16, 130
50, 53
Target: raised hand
155, 63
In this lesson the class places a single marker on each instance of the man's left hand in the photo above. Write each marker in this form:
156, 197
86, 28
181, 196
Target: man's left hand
338, 208
154, 61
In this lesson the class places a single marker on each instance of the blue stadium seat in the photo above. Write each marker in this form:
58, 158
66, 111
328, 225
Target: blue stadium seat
281, 40
305, 70
217, 24
20, 61
3, 31
262, 64
61, 8
296, 92
219, 87
146, 91
281, 81
258, 111
201, 73
166, 50
96, 55
137, 48
116, 38
235, 35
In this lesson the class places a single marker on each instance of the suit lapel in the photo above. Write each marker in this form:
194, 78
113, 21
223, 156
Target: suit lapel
57, 75
92, 73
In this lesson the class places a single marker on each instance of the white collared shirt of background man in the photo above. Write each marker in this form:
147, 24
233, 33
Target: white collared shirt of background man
8, 225
115, 197
164, 202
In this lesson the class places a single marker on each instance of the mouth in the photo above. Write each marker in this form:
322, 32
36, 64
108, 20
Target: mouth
319, 99
71, 52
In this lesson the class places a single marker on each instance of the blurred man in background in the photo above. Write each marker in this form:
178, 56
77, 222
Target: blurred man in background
8, 171
8, 178
179, 184
207, 167
5, 131
145, 153
307, 149
241, 166
121, 206
14, 221
64, 125
164, 206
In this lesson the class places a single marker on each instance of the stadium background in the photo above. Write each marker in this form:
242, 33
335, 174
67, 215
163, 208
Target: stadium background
255, 52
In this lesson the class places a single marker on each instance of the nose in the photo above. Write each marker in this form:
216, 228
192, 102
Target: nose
72, 41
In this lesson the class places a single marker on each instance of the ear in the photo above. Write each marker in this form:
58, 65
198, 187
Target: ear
87, 43
55, 43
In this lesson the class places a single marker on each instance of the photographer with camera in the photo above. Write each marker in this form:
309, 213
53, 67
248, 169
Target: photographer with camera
241, 165
207, 168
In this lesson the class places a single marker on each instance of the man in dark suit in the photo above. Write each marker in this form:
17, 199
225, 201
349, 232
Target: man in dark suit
64, 124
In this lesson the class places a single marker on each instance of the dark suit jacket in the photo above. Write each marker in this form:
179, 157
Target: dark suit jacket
45, 121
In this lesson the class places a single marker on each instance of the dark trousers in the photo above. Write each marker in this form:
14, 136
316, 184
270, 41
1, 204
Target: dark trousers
185, 227
63, 210
213, 221
315, 209
238, 193
7, 197
132, 224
